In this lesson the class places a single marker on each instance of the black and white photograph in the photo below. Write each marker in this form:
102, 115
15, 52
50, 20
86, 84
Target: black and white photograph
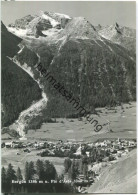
68, 97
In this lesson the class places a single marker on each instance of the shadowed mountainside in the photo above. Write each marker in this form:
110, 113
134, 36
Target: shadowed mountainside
18, 88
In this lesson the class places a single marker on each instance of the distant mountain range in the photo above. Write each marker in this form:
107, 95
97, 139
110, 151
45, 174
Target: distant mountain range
96, 64
49, 23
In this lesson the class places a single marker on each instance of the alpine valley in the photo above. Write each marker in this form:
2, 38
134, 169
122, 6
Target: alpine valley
96, 64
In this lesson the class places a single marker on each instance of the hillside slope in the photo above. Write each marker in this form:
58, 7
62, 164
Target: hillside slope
18, 88
88, 66
120, 177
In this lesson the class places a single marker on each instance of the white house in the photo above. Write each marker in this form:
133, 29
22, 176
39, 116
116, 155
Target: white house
78, 152
23, 138
8, 144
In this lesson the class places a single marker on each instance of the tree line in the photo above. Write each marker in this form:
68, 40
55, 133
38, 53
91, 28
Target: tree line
43, 171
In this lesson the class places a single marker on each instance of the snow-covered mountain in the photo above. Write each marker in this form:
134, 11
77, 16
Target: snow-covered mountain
87, 60
56, 28
121, 35
47, 23
34, 25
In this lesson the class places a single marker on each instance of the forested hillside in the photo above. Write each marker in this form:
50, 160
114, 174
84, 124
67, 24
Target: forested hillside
18, 88
96, 73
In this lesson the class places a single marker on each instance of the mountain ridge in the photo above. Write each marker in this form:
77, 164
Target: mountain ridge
124, 36
95, 70
46, 21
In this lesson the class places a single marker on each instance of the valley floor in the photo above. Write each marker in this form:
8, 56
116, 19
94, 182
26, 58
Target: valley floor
122, 124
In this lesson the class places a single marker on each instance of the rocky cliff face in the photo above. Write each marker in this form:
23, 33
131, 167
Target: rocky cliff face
121, 35
62, 19
23, 22
34, 25
79, 27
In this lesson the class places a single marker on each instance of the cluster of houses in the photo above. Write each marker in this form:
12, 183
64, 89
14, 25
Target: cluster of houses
18, 144
121, 146
38, 144
118, 145
115, 148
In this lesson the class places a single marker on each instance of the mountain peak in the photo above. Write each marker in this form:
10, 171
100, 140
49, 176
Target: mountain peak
80, 27
44, 20
117, 25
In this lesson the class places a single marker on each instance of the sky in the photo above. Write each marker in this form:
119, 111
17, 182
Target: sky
104, 12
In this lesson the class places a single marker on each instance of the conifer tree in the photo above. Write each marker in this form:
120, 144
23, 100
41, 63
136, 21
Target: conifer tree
3, 175
40, 169
26, 171
67, 164
73, 171
19, 174
50, 171
31, 170
10, 173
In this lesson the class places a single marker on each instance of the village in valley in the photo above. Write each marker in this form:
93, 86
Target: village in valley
88, 158
75, 158
115, 146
